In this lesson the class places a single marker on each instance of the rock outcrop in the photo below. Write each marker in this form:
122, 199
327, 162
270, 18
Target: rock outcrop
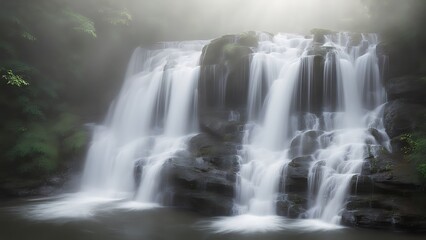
204, 178
390, 193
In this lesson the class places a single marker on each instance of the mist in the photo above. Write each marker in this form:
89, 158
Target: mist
198, 19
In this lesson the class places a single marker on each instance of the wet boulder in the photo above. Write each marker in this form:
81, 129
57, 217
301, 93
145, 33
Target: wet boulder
383, 212
298, 168
319, 34
228, 48
220, 127
205, 185
402, 117
362, 185
291, 205
295, 175
319, 50
207, 145
203, 179
224, 74
305, 143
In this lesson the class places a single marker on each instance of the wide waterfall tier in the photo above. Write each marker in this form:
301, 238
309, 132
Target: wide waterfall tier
280, 119
147, 124
314, 114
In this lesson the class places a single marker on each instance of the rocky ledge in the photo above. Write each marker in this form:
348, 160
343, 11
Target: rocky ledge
389, 194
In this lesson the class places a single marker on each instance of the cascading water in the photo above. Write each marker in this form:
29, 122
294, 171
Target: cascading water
349, 139
309, 103
319, 112
276, 66
154, 114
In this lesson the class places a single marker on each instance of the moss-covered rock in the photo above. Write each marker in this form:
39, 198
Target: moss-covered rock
229, 49
319, 34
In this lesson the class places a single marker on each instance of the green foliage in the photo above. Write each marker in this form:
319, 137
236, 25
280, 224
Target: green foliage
422, 169
80, 22
36, 150
409, 145
39, 146
45, 47
76, 141
68, 128
14, 79
415, 149
29, 108
65, 124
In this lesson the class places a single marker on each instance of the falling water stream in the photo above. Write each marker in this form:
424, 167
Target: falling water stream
151, 120
296, 109
328, 121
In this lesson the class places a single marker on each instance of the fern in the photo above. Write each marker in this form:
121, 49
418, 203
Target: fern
14, 79
80, 22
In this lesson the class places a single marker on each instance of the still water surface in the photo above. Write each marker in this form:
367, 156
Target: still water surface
46, 219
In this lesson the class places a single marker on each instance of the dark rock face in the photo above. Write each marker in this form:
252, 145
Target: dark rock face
222, 128
319, 34
384, 212
305, 143
225, 72
204, 178
402, 117
311, 85
228, 48
411, 89
291, 205
223, 85
389, 194
205, 181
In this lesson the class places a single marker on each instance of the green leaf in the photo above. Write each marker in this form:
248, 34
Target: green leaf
14, 79
81, 23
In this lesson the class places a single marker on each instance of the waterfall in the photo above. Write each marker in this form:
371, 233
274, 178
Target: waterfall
151, 119
299, 108
264, 156
319, 105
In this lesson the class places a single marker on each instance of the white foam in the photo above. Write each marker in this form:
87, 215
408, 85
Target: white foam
75, 206
249, 224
